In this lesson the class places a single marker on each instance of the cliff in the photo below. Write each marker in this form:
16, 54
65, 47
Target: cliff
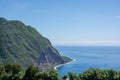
23, 45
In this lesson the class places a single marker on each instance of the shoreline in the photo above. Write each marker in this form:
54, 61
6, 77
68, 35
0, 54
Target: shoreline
63, 64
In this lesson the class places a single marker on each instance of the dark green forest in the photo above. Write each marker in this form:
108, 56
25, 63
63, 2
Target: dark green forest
15, 72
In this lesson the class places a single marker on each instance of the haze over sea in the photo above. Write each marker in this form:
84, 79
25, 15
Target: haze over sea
102, 57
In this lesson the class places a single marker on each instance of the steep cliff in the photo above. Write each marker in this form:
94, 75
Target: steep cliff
23, 45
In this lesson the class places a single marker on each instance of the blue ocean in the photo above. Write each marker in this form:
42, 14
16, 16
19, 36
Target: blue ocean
102, 57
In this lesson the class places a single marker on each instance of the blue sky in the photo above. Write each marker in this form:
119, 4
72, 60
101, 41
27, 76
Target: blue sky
69, 22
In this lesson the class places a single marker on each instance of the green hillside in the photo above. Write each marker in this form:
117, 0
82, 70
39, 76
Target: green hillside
23, 45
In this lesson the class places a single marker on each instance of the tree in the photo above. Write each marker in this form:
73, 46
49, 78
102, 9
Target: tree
72, 76
12, 68
12, 71
96, 74
1, 71
53, 75
64, 77
113, 75
30, 73
91, 74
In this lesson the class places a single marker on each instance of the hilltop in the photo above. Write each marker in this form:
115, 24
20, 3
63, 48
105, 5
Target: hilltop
23, 45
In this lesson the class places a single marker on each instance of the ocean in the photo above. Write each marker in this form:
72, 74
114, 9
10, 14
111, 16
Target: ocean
102, 57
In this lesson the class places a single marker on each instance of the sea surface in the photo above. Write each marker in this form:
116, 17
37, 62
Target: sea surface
102, 57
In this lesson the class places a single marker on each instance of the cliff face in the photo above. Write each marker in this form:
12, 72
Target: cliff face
23, 45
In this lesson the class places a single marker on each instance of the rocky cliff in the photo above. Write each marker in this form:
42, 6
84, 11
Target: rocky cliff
23, 45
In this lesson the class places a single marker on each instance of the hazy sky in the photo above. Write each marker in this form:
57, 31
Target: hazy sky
69, 22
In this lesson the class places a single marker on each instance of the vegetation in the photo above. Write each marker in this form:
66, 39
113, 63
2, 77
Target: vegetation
14, 72
23, 45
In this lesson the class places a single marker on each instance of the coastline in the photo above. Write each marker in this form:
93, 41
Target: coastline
63, 64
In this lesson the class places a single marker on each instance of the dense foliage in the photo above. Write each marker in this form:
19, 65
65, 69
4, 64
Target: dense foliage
14, 72
23, 45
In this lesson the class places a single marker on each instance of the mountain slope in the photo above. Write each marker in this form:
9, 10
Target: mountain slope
23, 45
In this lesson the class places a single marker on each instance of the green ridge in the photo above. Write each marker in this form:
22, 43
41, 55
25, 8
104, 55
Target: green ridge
23, 45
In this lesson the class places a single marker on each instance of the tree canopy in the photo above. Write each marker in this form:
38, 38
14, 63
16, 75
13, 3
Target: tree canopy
14, 72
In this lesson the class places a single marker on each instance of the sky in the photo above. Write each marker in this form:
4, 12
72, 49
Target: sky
68, 22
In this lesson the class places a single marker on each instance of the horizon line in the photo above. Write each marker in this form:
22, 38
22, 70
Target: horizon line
81, 45
88, 43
